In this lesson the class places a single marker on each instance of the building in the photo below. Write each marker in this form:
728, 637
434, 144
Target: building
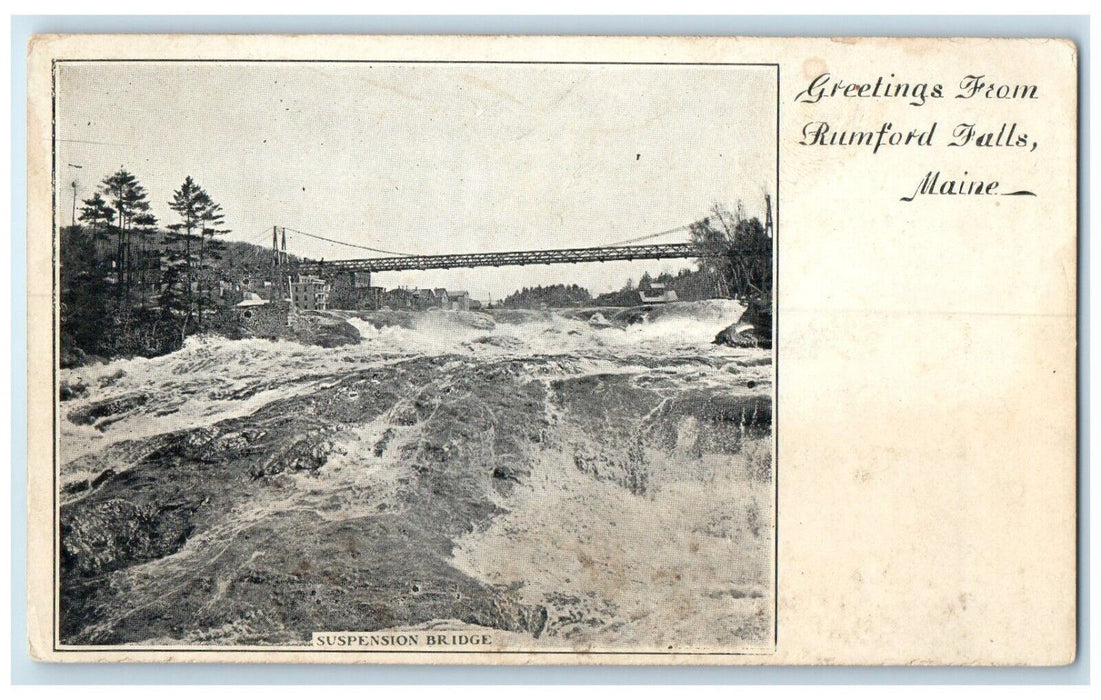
251, 299
260, 318
353, 290
425, 299
457, 301
657, 294
396, 299
310, 293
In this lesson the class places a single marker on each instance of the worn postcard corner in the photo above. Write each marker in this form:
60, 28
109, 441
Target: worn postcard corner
552, 350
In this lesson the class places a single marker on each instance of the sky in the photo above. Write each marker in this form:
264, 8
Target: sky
430, 158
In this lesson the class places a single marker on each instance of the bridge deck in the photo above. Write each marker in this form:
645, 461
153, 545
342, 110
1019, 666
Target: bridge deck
524, 257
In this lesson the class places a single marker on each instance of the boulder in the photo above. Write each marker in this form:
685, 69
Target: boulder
597, 320
76, 389
753, 329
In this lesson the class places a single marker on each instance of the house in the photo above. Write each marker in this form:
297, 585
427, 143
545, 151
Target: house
424, 299
399, 298
657, 294
310, 293
457, 301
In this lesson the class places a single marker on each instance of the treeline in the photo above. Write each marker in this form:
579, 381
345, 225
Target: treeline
554, 296
690, 285
129, 287
737, 264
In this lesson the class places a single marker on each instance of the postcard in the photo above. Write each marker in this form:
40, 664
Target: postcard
552, 350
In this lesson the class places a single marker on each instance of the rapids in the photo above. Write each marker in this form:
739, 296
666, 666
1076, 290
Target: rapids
596, 479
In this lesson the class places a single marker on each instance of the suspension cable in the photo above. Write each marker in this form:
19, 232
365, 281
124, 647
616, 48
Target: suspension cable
391, 252
350, 245
652, 235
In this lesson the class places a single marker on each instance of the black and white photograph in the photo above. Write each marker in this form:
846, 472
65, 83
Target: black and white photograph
418, 356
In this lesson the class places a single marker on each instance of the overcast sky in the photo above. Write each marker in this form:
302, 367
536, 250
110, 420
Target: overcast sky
429, 158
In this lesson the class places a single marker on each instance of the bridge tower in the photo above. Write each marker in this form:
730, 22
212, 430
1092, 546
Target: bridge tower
278, 263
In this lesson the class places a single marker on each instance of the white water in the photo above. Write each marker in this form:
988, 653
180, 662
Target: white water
680, 564
211, 378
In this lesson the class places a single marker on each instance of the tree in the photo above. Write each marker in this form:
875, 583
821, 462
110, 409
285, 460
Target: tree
146, 225
212, 219
84, 296
553, 296
136, 208
95, 210
188, 202
175, 304
736, 252
128, 198
197, 211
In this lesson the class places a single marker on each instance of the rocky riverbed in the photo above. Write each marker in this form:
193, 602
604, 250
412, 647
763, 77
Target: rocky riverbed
583, 479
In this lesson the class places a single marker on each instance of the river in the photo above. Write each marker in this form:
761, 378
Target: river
566, 480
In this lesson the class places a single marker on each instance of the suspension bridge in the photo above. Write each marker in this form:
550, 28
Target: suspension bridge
503, 258
392, 261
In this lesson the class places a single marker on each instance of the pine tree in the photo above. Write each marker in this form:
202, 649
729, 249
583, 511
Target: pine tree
188, 202
128, 198
145, 224
115, 188
197, 211
136, 208
211, 218
96, 210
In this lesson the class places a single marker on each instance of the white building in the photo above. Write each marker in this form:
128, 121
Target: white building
310, 293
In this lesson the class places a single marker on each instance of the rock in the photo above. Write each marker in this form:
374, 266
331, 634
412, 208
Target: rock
496, 341
108, 535
753, 329
509, 472
103, 476
111, 407
309, 453
597, 320
383, 442
474, 319
633, 315
736, 336
312, 328
73, 390
110, 379
72, 356
75, 487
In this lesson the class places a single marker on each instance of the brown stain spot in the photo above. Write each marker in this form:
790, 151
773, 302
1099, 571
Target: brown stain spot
862, 476
850, 40
814, 67
694, 547
585, 559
